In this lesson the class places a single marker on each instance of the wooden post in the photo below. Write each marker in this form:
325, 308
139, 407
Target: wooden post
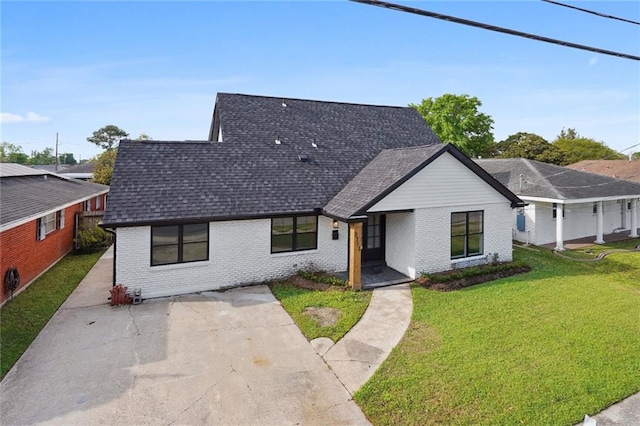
355, 255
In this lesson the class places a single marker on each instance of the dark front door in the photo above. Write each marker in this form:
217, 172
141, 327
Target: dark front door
373, 238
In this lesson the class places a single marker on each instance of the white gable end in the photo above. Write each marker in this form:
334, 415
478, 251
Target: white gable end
443, 183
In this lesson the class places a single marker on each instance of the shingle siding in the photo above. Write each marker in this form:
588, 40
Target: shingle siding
239, 254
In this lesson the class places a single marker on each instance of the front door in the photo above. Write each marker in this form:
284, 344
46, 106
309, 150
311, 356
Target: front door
373, 238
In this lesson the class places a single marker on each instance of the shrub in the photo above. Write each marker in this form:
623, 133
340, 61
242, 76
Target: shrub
321, 278
92, 239
461, 274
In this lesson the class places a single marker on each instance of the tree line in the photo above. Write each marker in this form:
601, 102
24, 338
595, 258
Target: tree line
456, 119
11, 153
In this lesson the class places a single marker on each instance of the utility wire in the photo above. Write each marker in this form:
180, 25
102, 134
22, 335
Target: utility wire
476, 24
602, 15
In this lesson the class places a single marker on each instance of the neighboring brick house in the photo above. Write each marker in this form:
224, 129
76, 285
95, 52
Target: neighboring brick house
289, 184
566, 204
619, 169
37, 219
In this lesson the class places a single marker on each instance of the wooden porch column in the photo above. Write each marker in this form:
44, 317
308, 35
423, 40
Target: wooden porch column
559, 230
599, 231
355, 255
634, 218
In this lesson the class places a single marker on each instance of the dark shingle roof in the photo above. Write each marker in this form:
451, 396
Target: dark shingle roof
389, 168
248, 174
27, 196
550, 181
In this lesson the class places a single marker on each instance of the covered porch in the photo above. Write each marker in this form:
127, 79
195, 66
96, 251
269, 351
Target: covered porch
579, 243
376, 275
628, 219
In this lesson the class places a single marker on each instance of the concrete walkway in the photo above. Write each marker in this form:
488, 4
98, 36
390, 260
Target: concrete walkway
356, 356
230, 357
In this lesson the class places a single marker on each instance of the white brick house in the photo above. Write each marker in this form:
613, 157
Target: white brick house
285, 185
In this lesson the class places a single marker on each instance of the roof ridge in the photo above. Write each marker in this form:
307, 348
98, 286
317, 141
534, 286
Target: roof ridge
314, 100
527, 162
407, 148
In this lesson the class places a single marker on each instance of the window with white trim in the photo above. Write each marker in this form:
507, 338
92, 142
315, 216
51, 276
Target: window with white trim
49, 223
98, 202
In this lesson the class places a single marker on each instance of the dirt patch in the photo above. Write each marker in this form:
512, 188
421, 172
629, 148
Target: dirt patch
298, 281
469, 281
324, 316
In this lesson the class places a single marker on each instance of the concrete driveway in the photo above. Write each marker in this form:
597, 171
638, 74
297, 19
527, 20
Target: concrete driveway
231, 357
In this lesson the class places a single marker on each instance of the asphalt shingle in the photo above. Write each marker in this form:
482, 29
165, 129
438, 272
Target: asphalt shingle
248, 174
536, 179
28, 195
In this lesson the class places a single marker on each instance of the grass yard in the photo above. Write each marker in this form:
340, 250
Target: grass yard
295, 300
545, 347
24, 316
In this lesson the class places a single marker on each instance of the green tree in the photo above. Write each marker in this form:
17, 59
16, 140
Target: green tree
636, 155
43, 157
67, 158
573, 148
144, 137
456, 119
10, 153
530, 146
107, 137
103, 169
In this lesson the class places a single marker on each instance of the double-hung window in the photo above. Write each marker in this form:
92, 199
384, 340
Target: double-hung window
49, 222
467, 234
294, 233
179, 243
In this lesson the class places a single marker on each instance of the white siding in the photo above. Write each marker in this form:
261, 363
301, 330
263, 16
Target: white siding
579, 221
239, 253
401, 243
443, 183
433, 237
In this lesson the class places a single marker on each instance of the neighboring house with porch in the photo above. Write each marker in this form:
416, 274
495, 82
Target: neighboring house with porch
566, 204
619, 169
288, 184
38, 213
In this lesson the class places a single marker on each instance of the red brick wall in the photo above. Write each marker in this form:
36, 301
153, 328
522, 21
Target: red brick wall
20, 248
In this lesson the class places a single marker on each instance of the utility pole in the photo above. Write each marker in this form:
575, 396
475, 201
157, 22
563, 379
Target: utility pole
57, 159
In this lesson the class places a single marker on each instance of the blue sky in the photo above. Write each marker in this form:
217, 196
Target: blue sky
155, 67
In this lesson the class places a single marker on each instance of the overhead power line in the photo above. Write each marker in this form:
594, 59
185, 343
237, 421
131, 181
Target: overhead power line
602, 15
494, 28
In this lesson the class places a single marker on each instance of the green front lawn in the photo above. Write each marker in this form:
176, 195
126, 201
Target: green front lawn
545, 347
295, 300
22, 318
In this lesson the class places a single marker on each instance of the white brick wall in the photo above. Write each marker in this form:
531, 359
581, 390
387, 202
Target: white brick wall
239, 253
433, 237
400, 237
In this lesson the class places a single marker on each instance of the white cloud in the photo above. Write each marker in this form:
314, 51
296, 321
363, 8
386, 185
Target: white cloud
30, 117
593, 61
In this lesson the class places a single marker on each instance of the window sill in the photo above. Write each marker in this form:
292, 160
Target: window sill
294, 253
467, 259
196, 264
